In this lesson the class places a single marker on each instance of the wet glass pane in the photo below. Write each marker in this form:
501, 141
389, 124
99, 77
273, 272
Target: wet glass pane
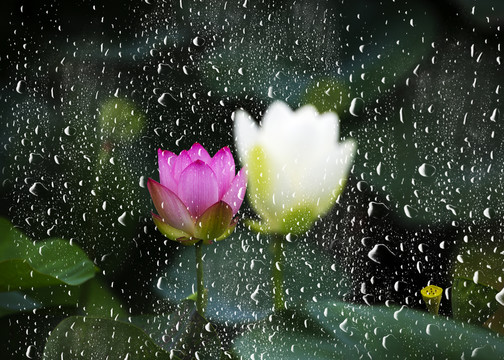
251, 179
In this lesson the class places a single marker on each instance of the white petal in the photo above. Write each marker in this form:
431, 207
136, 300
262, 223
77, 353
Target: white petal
335, 174
246, 133
276, 117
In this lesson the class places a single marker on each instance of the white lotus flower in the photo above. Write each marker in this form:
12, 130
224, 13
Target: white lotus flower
296, 165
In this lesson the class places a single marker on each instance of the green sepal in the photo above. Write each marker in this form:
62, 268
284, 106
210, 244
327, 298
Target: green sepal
214, 222
170, 232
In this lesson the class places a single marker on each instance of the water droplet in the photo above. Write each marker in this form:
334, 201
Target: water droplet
21, 86
122, 219
69, 131
410, 211
377, 210
488, 213
163, 69
379, 168
30, 352
381, 254
388, 341
476, 276
432, 330
495, 115
426, 170
37, 189
164, 98
35, 159
198, 41
141, 182
362, 186
344, 325
241, 193
356, 107
500, 297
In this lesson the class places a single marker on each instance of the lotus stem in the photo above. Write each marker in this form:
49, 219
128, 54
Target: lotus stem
277, 271
200, 287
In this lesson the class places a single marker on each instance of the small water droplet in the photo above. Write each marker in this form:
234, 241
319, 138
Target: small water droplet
426, 170
357, 107
21, 86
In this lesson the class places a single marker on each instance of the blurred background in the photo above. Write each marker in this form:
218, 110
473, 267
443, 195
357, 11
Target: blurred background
90, 90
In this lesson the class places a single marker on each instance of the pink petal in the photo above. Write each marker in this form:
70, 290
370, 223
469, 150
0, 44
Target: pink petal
170, 207
198, 152
166, 163
183, 161
236, 192
223, 166
198, 188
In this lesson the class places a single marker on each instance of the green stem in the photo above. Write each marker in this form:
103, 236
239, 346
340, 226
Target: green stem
200, 287
277, 271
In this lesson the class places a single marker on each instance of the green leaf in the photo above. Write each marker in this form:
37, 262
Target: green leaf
347, 47
238, 276
398, 333
98, 300
426, 154
287, 336
183, 332
15, 301
93, 338
472, 302
24, 265
486, 14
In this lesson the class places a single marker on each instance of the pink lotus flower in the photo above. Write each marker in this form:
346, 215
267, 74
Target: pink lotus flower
198, 195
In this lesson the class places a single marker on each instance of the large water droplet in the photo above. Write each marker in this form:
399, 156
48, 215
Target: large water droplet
21, 86
69, 131
198, 41
357, 107
500, 297
362, 186
344, 325
410, 211
37, 189
377, 210
381, 254
426, 170
489, 213
30, 352
122, 219
495, 115
163, 69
